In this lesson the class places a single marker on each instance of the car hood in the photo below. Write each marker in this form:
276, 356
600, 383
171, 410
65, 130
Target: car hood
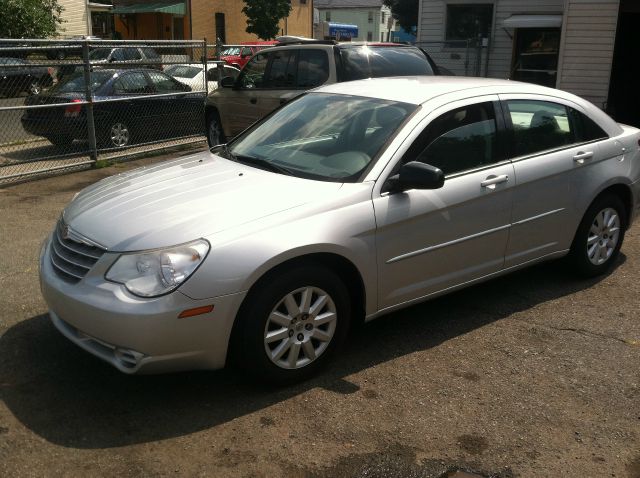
182, 200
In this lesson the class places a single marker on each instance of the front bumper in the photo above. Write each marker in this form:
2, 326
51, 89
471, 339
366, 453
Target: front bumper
133, 334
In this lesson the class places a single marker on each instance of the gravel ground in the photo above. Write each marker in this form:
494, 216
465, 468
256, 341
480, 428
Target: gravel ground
533, 374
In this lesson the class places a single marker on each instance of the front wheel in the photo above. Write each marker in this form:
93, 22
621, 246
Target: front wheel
599, 236
292, 325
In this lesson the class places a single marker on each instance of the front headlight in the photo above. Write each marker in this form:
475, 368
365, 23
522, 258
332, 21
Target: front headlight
153, 273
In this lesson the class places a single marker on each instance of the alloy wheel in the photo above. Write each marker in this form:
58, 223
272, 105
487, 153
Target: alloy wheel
119, 135
300, 327
603, 236
215, 133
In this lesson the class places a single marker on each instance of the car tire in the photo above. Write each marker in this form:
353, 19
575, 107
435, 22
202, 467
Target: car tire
116, 135
306, 312
60, 141
35, 88
215, 133
599, 236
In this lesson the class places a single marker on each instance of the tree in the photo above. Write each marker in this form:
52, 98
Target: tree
263, 16
29, 18
405, 11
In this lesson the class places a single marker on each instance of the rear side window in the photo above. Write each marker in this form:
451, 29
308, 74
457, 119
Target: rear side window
313, 68
375, 62
586, 128
539, 126
163, 83
459, 140
130, 83
132, 54
151, 53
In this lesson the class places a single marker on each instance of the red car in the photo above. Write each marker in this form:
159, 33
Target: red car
239, 55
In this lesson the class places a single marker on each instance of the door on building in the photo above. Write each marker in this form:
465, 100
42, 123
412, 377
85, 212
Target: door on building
178, 28
624, 100
535, 55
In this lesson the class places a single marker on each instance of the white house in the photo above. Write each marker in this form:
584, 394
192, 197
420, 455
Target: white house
86, 17
372, 19
581, 46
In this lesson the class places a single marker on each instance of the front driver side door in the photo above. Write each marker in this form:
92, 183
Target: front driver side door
431, 240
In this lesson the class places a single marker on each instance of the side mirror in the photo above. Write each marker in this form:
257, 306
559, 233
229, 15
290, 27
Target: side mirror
416, 175
227, 82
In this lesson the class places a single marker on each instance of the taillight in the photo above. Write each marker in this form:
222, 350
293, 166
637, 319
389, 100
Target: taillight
73, 111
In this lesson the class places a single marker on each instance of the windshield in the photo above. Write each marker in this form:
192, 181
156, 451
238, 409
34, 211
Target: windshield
376, 62
75, 84
234, 50
323, 136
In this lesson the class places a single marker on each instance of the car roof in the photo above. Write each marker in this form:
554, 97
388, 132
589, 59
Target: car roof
420, 89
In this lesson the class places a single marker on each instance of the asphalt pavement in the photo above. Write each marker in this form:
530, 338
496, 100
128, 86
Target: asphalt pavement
535, 374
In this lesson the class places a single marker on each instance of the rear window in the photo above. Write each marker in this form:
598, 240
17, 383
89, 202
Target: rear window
183, 71
376, 62
76, 83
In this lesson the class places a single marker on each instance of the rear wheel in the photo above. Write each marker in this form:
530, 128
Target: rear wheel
35, 88
215, 134
599, 236
291, 327
117, 135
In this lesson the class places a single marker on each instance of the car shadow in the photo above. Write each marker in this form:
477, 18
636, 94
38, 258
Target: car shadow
72, 399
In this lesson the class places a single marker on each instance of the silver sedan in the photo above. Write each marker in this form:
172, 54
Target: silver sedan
352, 201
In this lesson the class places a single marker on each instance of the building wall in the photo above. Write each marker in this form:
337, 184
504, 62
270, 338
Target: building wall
146, 26
432, 20
586, 43
75, 18
586, 48
203, 12
360, 17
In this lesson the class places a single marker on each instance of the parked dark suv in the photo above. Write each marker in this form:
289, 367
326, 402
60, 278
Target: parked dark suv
276, 75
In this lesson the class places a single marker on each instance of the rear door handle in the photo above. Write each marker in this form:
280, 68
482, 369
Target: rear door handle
253, 101
582, 155
491, 181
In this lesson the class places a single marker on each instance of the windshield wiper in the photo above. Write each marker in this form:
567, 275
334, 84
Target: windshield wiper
260, 163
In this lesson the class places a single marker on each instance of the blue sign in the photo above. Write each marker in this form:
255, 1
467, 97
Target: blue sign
343, 31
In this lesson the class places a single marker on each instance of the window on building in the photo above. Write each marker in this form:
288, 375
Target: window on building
220, 27
369, 36
466, 21
383, 17
327, 15
370, 17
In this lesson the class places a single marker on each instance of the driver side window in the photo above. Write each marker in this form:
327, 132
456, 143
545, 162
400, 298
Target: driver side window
252, 75
459, 140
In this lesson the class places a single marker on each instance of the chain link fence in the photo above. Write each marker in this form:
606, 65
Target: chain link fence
68, 104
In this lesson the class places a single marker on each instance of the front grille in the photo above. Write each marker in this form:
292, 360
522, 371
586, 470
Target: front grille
72, 259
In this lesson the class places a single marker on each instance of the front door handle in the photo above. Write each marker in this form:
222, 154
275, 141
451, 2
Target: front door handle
582, 155
491, 181
253, 101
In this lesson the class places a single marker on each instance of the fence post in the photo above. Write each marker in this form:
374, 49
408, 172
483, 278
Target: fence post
205, 59
91, 127
486, 58
478, 56
466, 58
